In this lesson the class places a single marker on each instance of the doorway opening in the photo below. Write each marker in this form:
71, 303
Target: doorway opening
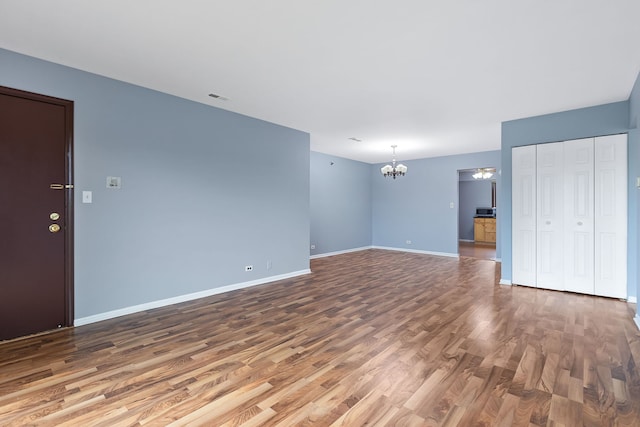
477, 212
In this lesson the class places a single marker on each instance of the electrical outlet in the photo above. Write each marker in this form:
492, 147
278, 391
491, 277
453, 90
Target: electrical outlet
248, 268
313, 246
408, 242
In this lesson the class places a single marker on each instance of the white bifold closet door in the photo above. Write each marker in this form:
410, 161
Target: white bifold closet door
578, 217
611, 216
569, 223
550, 216
523, 204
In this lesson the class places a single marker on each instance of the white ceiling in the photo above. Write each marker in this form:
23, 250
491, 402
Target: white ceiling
433, 77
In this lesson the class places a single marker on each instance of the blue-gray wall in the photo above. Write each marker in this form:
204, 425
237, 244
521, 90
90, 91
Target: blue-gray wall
340, 204
582, 123
474, 194
204, 191
416, 207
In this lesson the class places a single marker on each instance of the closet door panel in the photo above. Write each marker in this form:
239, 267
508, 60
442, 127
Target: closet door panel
524, 215
579, 215
570, 216
550, 208
611, 216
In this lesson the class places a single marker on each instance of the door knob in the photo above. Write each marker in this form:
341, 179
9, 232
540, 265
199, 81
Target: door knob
579, 222
54, 216
54, 228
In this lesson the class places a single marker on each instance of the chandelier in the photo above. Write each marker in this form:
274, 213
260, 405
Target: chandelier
393, 170
483, 173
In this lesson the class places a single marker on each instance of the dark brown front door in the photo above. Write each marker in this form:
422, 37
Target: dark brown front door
36, 288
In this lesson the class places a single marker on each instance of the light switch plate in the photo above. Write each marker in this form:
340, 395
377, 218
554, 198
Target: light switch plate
87, 197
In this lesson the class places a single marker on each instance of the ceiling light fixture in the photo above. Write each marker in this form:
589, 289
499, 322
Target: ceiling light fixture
353, 138
483, 173
393, 170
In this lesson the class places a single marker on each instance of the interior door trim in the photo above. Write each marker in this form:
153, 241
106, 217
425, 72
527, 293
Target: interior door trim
69, 225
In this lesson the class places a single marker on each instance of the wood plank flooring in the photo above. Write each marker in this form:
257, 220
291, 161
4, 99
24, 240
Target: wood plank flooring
375, 337
477, 250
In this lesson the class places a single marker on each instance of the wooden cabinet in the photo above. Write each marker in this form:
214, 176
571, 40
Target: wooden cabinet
484, 230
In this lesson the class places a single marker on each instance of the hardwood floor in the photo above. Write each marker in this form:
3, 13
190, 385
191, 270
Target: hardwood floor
369, 338
477, 250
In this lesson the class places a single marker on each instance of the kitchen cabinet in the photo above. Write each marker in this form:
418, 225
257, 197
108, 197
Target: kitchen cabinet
484, 230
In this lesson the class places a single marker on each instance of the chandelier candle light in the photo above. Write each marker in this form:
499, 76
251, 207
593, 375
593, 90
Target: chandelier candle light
394, 170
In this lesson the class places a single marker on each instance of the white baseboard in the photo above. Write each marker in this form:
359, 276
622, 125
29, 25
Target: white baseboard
416, 251
637, 320
182, 298
633, 300
346, 251
505, 282
466, 240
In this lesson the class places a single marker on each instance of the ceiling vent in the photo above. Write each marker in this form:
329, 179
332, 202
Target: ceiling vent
217, 96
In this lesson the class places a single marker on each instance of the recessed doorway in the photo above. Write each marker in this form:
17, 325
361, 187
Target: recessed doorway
477, 212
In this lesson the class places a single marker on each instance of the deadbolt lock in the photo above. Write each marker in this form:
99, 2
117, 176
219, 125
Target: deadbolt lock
54, 216
54, 228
